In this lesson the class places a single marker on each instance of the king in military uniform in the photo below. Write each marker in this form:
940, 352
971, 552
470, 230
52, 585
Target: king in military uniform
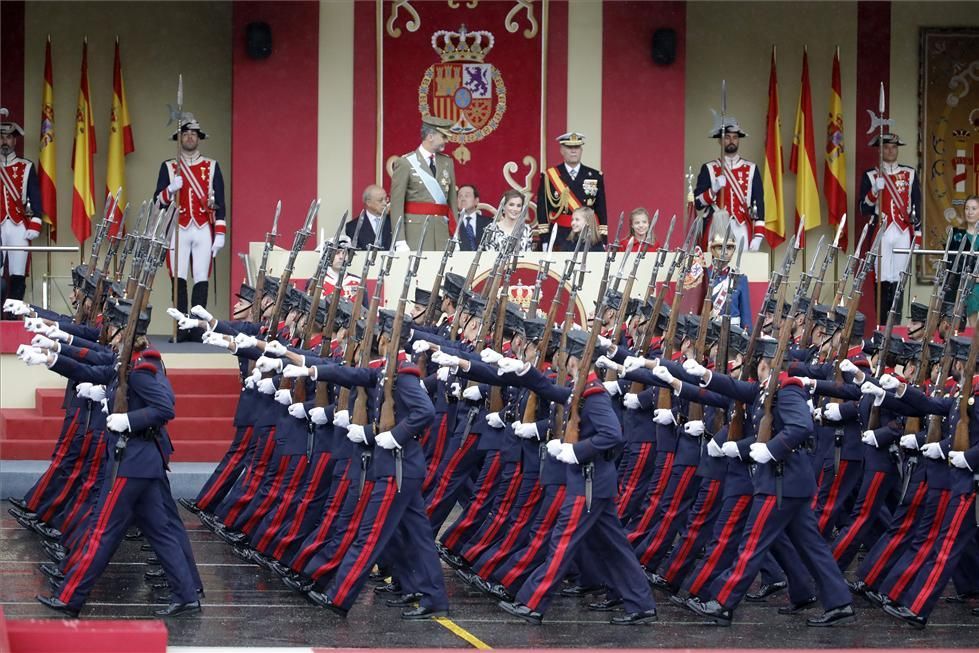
566, 187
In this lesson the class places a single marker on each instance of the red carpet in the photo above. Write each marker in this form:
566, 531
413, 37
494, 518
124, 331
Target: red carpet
75, 636
206, 401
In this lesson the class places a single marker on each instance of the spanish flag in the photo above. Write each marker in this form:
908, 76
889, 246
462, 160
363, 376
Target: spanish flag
47, 166
834, 174
83, 152
120, 141
772, 177
802, 161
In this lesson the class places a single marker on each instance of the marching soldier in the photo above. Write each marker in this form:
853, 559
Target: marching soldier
197, 184
424, 184
567, 187
20, 206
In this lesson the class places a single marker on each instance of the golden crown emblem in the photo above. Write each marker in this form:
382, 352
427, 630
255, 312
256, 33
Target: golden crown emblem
522, 295
462, 45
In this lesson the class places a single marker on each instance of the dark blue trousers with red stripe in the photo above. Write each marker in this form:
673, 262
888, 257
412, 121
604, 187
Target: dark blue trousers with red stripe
127, 500
62, 462
306, 510
57, 503
602, 530
325, 561
642, 519
515, 531
434, 446
454, 479
670, 516
285, 505
832, 499
874, 489
74, 512
723, 546
765, 526
697, 532
232, 464
340, 484
490, 492
896, 540
514, 570
923, 540
244, 489
637, 468
392, 516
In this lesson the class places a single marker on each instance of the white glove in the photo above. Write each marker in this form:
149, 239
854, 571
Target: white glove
612, 387
807, 383
693, 368
402, 246
442, 374
217, 340
472, 393
420, 346
96, 393
250, 382
291, 371
218, 244
527, 431
118, 422
17, 307
455, 389
888, 382
879, 183
730, 449
341, 419
817, 415
245, 341
633, 363
34, 357
283, 397
511, 365
297, 410
385, 440
713, 450
175, 185
718, 183
275, 348
664, 417
355, 433
869, 439
43, 342
663, 374
874, 391
694, 428
82, 389
755, 244
174, 313
553, 447
490, 357
760, 454
831, 412
185, 323
606, 363
604, 343
36, 325
909, 441
266, 364
57, 334
318, 416
201, 312
631, 401
957, 458
31, 234
566, 454
933, 450
446, 360
105, 407
846, 365
493, 419
266, 386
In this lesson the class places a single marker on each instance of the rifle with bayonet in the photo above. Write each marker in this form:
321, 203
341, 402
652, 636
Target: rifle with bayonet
542, 271
132, 238
471, 274
724, 336
851, 266
429, 316
611, 253
561, 367
93, 260
817, 287
299, 241
620, 317
270, 236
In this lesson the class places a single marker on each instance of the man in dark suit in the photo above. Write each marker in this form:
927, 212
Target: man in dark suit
566, 187
377, 219
472, 221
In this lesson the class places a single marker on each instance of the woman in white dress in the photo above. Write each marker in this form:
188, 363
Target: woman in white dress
508, 223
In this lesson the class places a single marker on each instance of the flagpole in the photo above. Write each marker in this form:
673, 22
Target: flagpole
47, 274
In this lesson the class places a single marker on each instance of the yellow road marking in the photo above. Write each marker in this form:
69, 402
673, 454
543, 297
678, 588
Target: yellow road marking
459, 631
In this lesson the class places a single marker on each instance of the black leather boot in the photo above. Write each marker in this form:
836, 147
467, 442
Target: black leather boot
182, 305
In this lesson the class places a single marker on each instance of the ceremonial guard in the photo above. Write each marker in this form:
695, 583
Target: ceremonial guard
567, 187
196, 183
20, 206
424, 184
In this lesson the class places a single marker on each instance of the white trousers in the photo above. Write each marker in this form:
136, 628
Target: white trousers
195, 243
890, 265
14, 235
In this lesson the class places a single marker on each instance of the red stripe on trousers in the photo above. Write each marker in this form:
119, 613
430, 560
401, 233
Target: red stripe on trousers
862, 518
59, 455
96, 538
630, 485
437, 453
898, 538
690, 536
483, 494
443, 485
834, 491
284, 504
254, 479
925, 550
819, 483
324, 528
264, 507
539, 538
503, 511
351, 533
297, 521
511, 539
748, 552
670, 515
715, 555
375, 534
76, 469
930, 587
647, 516
206, 500
550, 576
87, 485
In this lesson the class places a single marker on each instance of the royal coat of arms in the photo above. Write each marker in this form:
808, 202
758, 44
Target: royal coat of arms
463, 88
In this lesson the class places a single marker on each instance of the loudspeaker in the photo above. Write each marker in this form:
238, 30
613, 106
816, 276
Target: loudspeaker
258, 40
664, 46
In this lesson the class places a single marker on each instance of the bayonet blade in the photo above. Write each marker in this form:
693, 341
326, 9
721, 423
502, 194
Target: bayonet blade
275, 220
839, 231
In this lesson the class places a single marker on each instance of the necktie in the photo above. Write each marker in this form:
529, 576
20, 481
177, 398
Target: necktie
470, 233
431, 164
573, 172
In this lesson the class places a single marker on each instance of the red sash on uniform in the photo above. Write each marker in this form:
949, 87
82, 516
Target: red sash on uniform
562, 219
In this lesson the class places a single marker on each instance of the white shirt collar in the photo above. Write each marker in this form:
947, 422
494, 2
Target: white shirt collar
572, 169
8, 159
191, 158
425, 155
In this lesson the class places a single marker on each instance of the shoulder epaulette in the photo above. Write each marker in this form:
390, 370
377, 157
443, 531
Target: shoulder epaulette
149, 367
785, 380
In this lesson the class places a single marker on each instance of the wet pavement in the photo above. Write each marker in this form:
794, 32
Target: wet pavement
248, 606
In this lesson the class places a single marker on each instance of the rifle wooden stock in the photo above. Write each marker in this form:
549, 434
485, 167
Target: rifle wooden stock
766, 425
960, 441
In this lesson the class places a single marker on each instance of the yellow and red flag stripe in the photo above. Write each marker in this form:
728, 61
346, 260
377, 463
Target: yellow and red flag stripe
834, 174
774, 168
120, 140
83, 153
47, 161
802, 161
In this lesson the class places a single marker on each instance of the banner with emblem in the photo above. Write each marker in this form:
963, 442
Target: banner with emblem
949, 132
476, 64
